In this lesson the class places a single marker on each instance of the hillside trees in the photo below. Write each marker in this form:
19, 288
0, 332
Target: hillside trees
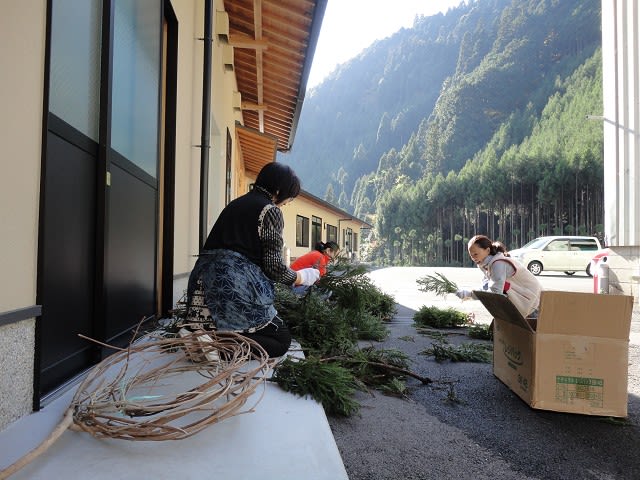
377, 99
549, 183
469, 122
531, 46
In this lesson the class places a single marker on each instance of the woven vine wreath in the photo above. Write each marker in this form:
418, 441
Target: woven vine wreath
130, 395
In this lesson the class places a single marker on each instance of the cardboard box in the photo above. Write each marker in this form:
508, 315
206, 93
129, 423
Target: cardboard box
574, 358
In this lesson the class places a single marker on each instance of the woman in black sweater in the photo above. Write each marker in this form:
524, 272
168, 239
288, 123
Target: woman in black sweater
231, 286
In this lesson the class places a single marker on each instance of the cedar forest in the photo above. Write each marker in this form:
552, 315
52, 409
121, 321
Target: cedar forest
471, 122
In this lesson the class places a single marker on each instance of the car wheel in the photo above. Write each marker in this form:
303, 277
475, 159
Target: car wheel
588, 270
535, 268
569, 273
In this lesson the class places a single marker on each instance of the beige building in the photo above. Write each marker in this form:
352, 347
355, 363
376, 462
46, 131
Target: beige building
318, 221
127, 126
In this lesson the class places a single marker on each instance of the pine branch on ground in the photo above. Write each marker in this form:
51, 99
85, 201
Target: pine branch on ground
328, 383
466, 352
481, 332
332, 381
328, 320
378, 367
353, 290
343, 308
437, 334
316, 323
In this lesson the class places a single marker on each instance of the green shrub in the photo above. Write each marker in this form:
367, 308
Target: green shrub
440, 318
481, 332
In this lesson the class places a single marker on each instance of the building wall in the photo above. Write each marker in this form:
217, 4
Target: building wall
190, 27
22, 47
621, 123
189, 135
22, 54
306, 207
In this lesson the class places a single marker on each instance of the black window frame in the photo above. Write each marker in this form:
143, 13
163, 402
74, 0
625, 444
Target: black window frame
316, 229
332, 233
302, 231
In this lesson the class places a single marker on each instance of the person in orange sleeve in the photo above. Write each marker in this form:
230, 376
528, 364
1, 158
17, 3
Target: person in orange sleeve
318, 258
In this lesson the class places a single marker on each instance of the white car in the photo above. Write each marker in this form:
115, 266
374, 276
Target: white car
568, 254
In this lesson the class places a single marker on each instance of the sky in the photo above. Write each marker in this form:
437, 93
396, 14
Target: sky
350, 26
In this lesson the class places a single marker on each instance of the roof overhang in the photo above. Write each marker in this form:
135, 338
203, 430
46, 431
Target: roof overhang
274, 42
256, 149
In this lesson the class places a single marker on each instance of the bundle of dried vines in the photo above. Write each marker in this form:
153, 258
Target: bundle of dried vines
130, 395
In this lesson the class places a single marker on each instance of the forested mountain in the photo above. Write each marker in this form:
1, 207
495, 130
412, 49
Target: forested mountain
473, 121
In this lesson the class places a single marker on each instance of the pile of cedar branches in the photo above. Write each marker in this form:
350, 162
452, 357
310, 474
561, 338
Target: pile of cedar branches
328, 321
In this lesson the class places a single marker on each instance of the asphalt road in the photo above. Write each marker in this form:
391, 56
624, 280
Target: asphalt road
467, 424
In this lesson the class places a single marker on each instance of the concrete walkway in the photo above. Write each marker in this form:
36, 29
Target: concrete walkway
284, 437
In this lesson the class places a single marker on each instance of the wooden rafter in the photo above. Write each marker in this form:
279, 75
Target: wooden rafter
273, 44
257, 25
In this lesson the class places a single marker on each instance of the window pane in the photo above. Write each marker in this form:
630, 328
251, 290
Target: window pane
299, 235
136, 72
332, 233
347, 240
316, 230
305, 232
74, 80
558, 245
302, 231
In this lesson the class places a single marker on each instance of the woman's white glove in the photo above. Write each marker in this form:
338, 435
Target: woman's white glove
308, 276
464, 294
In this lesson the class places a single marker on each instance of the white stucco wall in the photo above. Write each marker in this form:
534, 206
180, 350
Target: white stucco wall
621, 123
189, 84
621, 94
189, 134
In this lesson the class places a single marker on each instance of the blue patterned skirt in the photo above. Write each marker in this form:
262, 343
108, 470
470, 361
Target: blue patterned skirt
236, 291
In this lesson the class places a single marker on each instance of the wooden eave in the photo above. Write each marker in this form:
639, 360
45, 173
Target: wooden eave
274, 42
256, 149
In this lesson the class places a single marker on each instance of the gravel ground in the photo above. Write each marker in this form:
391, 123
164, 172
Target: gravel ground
467, 424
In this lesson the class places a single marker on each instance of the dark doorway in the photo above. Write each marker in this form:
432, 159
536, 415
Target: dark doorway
106, 221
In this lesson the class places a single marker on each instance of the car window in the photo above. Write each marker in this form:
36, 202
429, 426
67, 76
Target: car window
558, 246
535, 243
584, 245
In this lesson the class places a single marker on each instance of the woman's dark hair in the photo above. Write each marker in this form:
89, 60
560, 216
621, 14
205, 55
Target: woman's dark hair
321, 247
485, 242
279, 180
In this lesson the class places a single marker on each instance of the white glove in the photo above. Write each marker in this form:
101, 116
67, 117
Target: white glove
464, 294
309, 276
